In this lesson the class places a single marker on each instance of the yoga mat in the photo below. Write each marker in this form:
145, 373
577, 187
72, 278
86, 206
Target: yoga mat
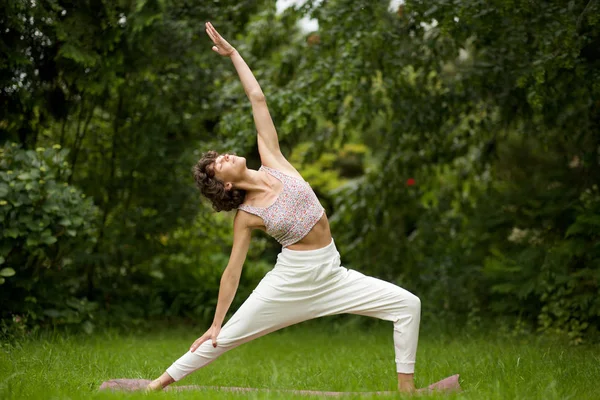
448, 384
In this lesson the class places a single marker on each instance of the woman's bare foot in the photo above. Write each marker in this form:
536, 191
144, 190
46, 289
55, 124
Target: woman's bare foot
160, 383
155, 385
407, 388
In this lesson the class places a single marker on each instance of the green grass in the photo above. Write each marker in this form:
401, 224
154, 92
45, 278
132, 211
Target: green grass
313, 356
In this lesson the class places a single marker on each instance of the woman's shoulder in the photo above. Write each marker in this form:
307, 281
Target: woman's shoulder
276, 161
246, 216
287, 170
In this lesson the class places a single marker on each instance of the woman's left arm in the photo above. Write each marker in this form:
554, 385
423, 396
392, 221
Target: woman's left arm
268, 142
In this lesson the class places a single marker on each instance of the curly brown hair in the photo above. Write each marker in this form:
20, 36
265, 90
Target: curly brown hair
214, 189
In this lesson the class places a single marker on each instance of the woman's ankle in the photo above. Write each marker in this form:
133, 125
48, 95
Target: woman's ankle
161, 382
406, 383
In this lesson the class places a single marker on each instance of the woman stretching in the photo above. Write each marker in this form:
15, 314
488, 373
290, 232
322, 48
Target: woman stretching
308, 280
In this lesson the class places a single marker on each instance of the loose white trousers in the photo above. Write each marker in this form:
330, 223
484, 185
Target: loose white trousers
311, 284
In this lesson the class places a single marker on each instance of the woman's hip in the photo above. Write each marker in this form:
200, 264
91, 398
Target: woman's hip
297, 275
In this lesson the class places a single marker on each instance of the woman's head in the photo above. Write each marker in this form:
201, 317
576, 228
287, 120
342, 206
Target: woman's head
216, 174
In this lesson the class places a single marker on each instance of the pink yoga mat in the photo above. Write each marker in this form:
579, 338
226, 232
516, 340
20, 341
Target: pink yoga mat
448, 384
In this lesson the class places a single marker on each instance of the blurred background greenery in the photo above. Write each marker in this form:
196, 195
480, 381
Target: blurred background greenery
454, 144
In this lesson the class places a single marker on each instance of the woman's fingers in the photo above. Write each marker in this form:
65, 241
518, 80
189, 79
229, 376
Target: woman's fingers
198, 342
210, 30
211, 333
211, 35
215, 39
214, 31
214, 335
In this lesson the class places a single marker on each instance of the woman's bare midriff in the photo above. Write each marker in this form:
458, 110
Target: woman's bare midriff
318, 237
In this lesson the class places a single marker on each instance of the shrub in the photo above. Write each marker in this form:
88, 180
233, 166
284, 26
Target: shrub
48, 228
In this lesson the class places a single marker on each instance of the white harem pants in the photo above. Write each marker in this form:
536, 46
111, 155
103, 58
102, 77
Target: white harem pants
311, 284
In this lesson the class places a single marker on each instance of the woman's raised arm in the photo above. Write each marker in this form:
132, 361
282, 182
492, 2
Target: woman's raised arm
268, 142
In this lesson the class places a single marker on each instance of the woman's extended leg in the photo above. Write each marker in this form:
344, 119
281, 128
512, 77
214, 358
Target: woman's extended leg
257, 317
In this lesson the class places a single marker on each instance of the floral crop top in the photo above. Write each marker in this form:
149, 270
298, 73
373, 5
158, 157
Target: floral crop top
293, 214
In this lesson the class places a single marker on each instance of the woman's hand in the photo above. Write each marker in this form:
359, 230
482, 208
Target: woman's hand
221, 45
211, 334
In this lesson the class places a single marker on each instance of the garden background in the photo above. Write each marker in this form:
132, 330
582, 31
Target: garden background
454, 144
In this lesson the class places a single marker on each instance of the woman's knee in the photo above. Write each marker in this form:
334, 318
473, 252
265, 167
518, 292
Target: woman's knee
412, 304
407, 310
416, 304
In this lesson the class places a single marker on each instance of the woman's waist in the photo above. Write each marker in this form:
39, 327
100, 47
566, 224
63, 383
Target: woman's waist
308, 257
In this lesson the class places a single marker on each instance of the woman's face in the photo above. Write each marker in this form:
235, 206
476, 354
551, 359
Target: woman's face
229, 168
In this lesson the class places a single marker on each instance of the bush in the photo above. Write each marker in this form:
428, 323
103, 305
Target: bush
48, 228
183, 279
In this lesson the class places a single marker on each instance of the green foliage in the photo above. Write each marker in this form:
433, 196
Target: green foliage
454, 144
183, 279
127, 88
330, 171
47, 226
492, 109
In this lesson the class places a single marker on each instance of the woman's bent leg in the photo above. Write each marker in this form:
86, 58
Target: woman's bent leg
352, 292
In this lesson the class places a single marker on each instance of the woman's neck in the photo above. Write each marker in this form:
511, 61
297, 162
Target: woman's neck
255, 183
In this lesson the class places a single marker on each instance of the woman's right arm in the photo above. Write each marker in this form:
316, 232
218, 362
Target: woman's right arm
230, 279
231, 276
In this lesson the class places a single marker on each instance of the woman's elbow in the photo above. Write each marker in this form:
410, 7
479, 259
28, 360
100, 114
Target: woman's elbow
257, 96
231, 275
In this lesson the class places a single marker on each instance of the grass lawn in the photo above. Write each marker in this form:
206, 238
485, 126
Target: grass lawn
312, 356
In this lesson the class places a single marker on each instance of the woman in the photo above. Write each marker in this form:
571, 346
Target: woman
307, 281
